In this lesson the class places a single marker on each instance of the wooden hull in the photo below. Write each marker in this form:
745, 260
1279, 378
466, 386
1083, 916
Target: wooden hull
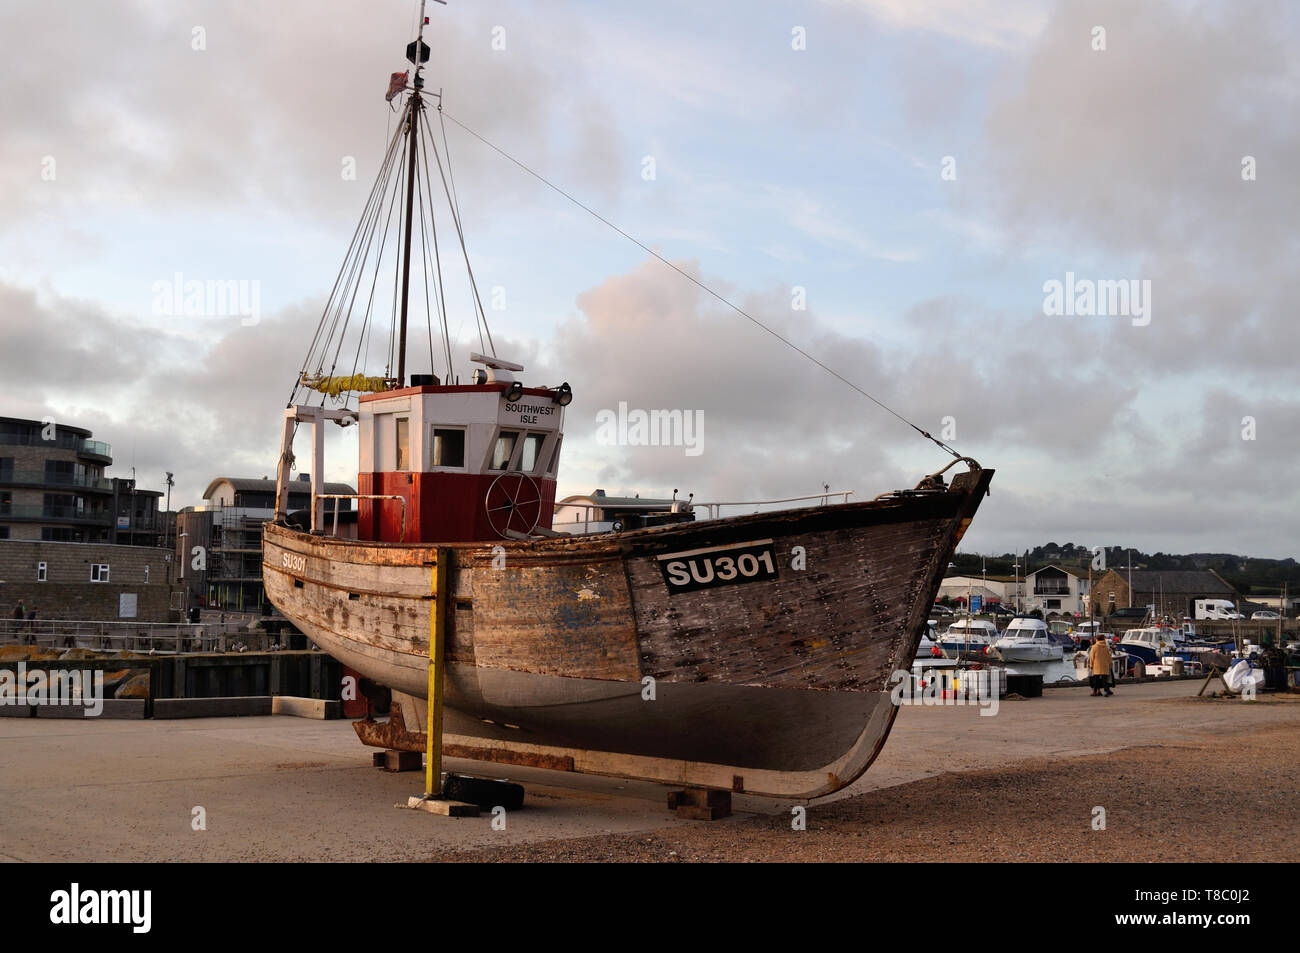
775, 686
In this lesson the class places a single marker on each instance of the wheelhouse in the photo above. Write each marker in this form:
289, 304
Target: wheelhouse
460, 462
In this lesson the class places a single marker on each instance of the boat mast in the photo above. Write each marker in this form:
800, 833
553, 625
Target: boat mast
418, 54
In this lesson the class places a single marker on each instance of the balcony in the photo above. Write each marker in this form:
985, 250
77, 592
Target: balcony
97, 448
41, 478
1049, 590
62, 514
142, 524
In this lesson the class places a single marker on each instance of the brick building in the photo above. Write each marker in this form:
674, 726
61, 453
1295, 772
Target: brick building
1172, 592
86, 581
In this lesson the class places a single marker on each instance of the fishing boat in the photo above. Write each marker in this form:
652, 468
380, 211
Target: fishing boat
1150, 644
748, 653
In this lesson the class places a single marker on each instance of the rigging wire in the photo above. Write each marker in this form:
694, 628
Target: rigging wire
420, 185
734, 307
375, 190
442, 291
460, 234
366, 327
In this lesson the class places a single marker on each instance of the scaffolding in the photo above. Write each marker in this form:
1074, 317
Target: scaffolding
234, 577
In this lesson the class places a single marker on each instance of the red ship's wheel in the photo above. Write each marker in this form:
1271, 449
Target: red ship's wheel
513, 503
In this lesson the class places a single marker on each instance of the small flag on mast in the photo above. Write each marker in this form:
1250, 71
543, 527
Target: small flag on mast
396, 83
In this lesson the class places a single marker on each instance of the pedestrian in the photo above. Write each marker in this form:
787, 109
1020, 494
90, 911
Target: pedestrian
1099, 666
20, 613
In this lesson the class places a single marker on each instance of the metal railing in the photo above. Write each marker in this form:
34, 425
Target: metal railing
713, 510
361, 496
154, 637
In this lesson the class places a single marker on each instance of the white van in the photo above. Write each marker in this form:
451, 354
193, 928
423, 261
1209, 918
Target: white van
1216, 609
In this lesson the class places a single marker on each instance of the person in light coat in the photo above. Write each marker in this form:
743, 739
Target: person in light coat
1099, 665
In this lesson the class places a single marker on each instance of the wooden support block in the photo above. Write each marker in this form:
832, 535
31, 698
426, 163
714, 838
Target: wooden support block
691, 812
402, 761
443, 807
700, 804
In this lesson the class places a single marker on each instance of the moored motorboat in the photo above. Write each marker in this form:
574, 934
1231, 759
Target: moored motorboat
1027, 639
967, 636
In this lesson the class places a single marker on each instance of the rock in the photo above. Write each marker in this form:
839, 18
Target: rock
77, 654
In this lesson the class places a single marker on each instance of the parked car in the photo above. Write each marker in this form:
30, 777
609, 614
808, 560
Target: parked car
939, 609
1133, 612
1264, 614
998, 609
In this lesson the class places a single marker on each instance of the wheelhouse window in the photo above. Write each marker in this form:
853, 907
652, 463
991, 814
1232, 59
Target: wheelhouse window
532, 451
448, 447
555, 456
503, 450
403, 443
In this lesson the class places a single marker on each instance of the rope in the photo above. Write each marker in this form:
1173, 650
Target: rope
691, 278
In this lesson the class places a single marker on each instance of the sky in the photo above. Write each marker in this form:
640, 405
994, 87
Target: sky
891, 185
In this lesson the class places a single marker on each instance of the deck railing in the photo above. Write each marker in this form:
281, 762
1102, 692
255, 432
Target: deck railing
713, 510
362, 496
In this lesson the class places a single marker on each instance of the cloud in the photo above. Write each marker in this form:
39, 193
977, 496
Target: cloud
1128, 163
1002, 24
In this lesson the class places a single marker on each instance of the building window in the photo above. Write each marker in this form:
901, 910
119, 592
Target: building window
146, 573
40, 572
99, 572
448, 447
1112, 600
4, 532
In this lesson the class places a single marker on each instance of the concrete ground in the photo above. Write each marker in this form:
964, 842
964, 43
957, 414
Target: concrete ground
288, 789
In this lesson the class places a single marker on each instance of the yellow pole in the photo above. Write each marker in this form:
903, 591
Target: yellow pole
437, 645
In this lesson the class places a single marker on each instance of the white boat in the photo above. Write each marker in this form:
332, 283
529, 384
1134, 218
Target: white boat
1027, 639
967, 635
1085, 632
